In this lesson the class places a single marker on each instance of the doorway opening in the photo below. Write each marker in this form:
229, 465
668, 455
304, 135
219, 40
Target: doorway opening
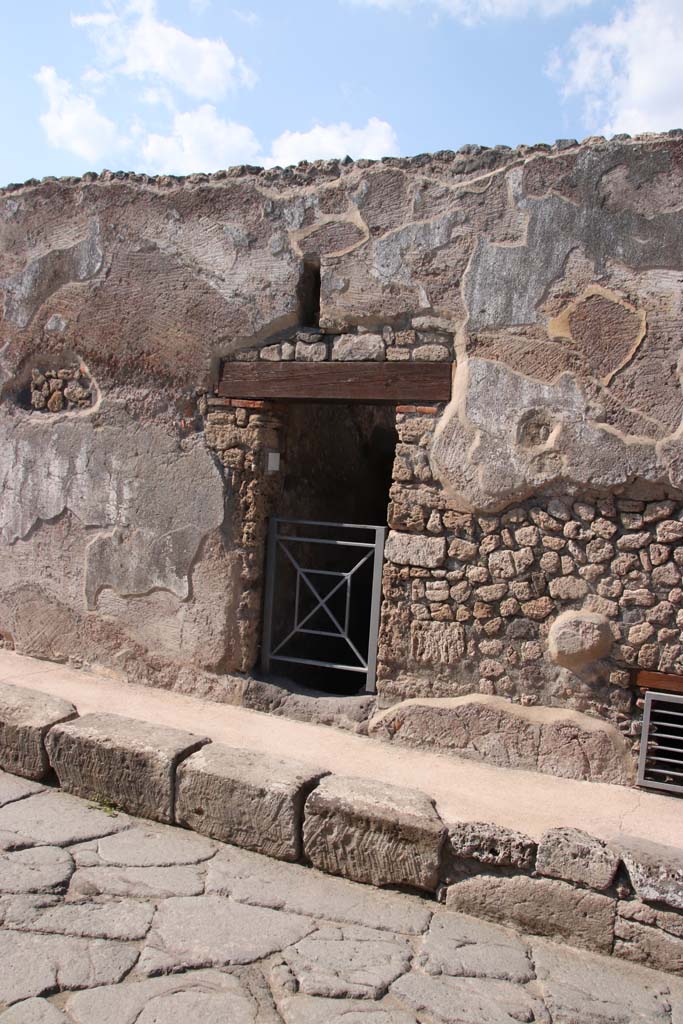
324, 572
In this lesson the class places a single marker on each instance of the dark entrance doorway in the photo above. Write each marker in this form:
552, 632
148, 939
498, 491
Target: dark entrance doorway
325, 545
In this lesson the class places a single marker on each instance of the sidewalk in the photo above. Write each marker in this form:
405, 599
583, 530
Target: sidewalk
464, 790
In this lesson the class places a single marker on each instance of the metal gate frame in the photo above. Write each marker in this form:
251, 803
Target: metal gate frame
277, 541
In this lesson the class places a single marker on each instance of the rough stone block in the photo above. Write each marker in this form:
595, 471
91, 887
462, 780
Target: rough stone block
556, 741
26, 716
648, 936
358, 347
539, 906
655, 870
132, 764
490, 844
576, 856
415, 549
245, 798
578, 638
373, 832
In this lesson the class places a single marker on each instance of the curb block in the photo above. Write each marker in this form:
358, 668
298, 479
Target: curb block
624, 897
25, 719
372, 832
244, 798
128, 763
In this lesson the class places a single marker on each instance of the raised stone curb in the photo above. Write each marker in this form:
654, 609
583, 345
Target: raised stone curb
25, 718
624, 897
245, 798
122, 761
540, 906
372, 832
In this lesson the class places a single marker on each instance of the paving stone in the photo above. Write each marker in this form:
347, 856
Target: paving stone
347, 962
202, 997
576, 856
123, 920
469, 1000
144, 883
56, 819
13, 788
34, 965
37, 869
491, 844
125, 761
465, 947
250, 878
25, 718
373, 832
33, 1011
578, 987
302, 1009
540, 906
146, 846
210, 931
655, 870
245, 798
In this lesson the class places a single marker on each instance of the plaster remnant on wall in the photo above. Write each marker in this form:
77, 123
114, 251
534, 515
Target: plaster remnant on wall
482, 452
27, 291
156, 498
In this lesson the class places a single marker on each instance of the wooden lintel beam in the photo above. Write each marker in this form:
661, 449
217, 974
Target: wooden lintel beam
659, 681
356, 382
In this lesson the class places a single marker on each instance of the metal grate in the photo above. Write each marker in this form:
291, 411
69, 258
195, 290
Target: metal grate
323, 593
661, 746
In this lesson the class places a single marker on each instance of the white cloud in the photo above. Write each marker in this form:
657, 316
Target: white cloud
72, 121
629, 73
473, 11
323, 142
136, 43
200, 140
247, 17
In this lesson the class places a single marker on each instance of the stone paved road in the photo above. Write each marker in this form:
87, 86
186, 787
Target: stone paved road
105, 919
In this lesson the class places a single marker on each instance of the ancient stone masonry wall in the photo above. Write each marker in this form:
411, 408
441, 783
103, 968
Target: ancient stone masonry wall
552, 602
550, 485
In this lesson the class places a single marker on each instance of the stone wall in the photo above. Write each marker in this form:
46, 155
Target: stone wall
132, 525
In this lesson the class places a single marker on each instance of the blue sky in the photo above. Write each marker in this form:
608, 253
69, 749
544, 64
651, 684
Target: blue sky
173, 86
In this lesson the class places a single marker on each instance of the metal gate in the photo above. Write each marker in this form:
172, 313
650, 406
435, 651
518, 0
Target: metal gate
323, 593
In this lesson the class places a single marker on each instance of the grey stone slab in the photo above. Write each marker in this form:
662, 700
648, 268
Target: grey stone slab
146, 846
57, 819
347, 962
37, 869
462, 946
302, 1009
126, 762
576, 856
250, 878
373, 832
35, 965
202, 997
655, 870
540, 906
124, 920
33, 1011
596, 990
13, 788
469, 1000
245, 798
25, 718
210, 931
143, 883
